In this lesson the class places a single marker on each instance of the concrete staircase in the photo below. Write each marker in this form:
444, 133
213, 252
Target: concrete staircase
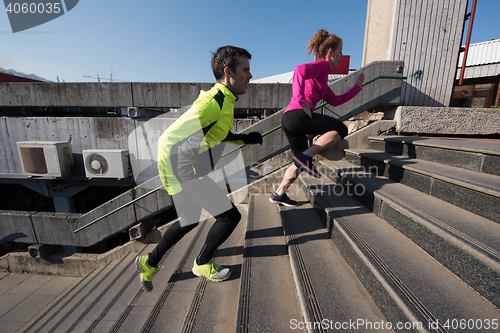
373, 245
417, 219
286, 275
110, 299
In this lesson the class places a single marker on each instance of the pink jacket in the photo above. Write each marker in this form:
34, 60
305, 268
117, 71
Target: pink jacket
310, 84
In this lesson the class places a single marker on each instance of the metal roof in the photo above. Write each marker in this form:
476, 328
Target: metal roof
280, 78
288, 77
483, 53
483, 60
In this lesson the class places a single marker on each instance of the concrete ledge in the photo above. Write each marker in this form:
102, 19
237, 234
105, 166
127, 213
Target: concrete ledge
446, 120
78, 264
56, 228
42, 250
139, 94
17, 227
378, 92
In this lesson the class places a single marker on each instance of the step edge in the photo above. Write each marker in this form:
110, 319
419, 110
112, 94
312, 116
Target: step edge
393, 159
394, 139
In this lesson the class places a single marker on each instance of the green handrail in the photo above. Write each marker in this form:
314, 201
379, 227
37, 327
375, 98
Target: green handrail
226, 153
119, 208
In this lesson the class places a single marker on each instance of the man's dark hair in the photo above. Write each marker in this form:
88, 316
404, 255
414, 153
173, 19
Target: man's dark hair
226, 56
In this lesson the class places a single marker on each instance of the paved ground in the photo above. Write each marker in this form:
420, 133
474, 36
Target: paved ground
23, 296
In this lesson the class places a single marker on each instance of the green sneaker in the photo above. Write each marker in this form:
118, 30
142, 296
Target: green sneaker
147, 272
211, 271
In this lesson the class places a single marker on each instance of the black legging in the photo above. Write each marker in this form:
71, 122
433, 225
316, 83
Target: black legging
297, 125
198, 194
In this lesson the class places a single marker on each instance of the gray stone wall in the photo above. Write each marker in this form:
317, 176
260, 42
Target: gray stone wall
447, 120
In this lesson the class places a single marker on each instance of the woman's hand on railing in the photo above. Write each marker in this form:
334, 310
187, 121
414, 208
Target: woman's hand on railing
360, 79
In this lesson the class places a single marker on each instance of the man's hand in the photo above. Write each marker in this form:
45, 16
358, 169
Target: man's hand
252, 138
307, 108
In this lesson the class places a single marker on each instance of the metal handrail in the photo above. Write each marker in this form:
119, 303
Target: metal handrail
119, 208
225, 154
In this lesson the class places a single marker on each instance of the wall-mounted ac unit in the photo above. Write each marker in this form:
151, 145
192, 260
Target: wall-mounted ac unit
107, 163
46, 158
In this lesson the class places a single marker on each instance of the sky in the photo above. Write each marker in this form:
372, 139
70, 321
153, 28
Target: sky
173, 41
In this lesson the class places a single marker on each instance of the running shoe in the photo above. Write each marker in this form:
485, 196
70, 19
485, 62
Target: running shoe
282, 200
305, 162
211, 271
147, 272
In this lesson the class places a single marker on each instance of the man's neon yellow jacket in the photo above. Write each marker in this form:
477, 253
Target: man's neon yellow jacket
190, 147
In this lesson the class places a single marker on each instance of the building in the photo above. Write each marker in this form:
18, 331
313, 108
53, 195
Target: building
480, 88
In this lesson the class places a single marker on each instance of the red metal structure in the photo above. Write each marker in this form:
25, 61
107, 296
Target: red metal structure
467, 43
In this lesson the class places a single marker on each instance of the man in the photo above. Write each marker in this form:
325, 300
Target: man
187, 151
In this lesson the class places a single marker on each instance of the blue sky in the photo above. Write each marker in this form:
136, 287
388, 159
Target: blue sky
172, 41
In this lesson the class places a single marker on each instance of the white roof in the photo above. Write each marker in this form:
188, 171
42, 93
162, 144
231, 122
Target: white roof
483, 60
482, 54
287, 78
280, 78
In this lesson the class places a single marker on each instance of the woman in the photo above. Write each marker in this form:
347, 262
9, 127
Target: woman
310, 85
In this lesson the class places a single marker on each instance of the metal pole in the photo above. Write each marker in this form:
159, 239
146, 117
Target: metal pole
467, 43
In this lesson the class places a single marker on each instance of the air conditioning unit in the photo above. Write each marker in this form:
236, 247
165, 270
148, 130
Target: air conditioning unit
107, 163
46, 158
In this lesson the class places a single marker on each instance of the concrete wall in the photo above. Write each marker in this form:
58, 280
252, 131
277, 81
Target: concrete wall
447, 121
139, 136
58, 228
378, 31
139, 94
82, 132
426, 36
379, 92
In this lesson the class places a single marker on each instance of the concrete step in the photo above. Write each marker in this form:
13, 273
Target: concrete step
182, 302
214, 307
470, 155
111, 299
475, 191
173, 291
467, 244
82, 314
102, 313
268, 299
328, 288
24, 296
409, 286
60, 316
